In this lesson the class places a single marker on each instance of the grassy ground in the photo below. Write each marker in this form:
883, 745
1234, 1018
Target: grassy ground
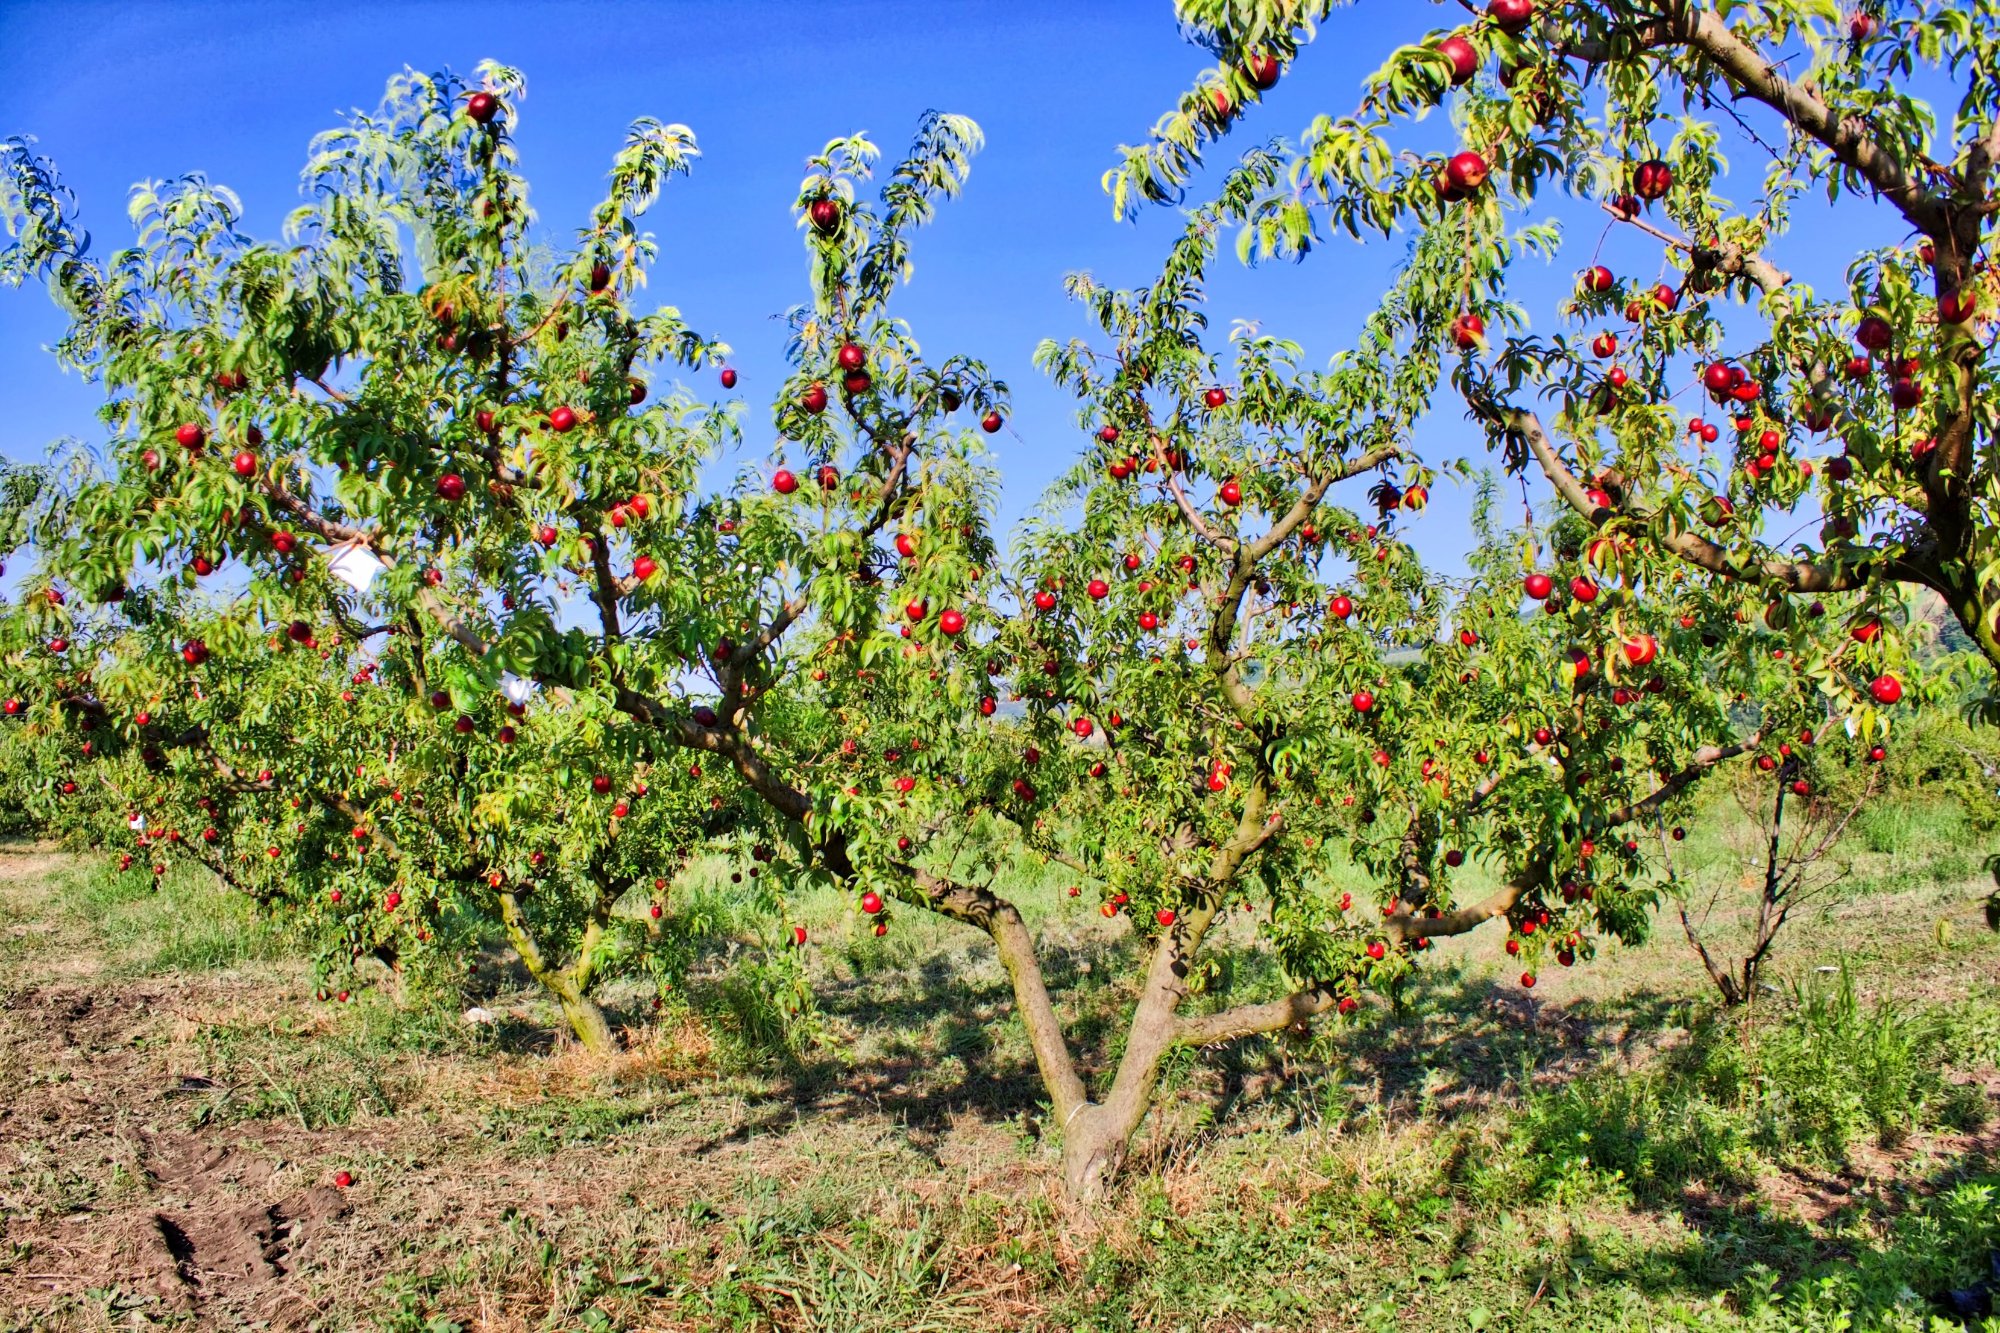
1606, 1151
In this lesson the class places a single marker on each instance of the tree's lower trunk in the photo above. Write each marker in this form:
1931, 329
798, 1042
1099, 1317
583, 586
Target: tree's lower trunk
570, 985
587, 1021
1094, 1148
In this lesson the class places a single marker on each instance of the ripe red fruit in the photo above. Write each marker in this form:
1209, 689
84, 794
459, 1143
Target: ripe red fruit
783, 482
1165, 916
1641, 649
1544, 736
728, 377
1905, 394
1341, 607
1262, 70
462, 725
1957, 307
1231, 492
1511, 15
343, 1179
871, 902
1098, 590
192, 435
1363, 701
851, 356
1876, 754
451, 486
1867, 631
482, 107
1215, 397
825, 215
1653, 179
915, 610
1539, 586
1886, 688
1598, 279
1582, 589
644, 568
194, 654
1377, 950
1467, 331
1454, 858
600, 784
1464, 59
1045, 600
562, 420
952, 622
1466, 171
1604, 346
1874, 333
990, 422
1861, 26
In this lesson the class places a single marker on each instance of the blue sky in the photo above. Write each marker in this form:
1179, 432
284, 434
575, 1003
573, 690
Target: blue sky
117, 93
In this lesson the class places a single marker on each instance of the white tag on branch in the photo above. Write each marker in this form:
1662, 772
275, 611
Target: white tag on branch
517, 689
137, 823
355, 565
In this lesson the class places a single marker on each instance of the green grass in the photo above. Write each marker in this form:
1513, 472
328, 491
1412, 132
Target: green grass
182, 921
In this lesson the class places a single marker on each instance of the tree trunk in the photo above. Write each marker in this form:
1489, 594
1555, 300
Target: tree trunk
587, 1021
569, 985
1094, 1148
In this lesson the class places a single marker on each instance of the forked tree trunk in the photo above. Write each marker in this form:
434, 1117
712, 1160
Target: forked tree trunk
570, 985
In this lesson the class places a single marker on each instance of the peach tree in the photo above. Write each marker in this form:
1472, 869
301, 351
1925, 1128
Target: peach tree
394, 523
1219, 688
325, 573
1801, 442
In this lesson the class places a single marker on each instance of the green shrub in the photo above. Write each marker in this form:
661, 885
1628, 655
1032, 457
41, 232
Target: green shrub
1805, 1084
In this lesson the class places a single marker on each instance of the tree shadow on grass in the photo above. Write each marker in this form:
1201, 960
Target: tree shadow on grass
1448, 1049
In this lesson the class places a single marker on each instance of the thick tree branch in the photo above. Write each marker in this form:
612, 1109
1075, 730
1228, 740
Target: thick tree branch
1848, 138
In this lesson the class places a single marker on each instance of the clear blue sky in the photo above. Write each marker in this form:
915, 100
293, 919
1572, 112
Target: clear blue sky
121, 92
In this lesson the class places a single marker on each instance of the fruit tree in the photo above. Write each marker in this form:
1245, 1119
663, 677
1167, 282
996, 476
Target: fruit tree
1703, 400
1219, 688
